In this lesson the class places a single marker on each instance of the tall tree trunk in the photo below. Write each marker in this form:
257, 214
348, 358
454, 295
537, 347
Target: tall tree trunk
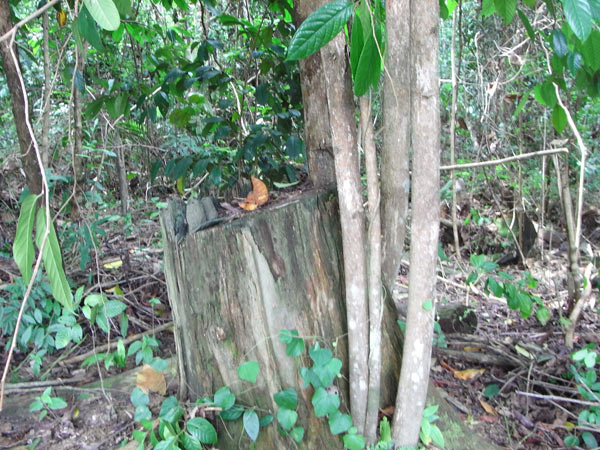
77, 138
12, 71
416, 355
343, 135
45, 147
374, 270
317, 137
395, 180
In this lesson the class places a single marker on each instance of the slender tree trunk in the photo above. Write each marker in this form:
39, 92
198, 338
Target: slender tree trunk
347, 172
374, 270
395, 180
45, 148
77, 140
12, 71
416, 355
317, 137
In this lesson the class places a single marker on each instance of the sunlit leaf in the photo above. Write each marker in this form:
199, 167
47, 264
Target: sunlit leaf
105, 13
23, 246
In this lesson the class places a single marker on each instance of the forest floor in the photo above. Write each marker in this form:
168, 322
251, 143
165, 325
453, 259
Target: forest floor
506, 376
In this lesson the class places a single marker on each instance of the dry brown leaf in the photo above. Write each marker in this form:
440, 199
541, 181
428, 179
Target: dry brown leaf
259, 195
488, 408
467, 374
148, 379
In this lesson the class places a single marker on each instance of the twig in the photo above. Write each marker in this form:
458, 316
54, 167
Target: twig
495, 162
101, 348
558, 399
29, 18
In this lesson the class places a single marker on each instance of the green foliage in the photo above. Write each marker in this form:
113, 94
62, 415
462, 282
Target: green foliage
47, 403
104, 12
501, 284
429, 431
585, 372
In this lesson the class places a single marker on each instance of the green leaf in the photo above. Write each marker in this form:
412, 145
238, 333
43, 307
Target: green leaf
57, 403
437, 436
526, 24
496, 288
251, 424
23, 246
104, 12
265, 420
295, 345
353, 441
339, 423
579, 17
288, 398
559, 118
248, 371
52, 260
202, 430
559, 43
574, 62
123, 6
428, 305
357, 43
590, 50
320, 356
324, 403
589, 439
319, 28
94, 107
286, 418
487, 8
62, 338
368, 69
297, 434
506, 9
114, 308
88, 29
543, 315
294, 147
491, 390
224, 398
233, 413
170, 411
139, 397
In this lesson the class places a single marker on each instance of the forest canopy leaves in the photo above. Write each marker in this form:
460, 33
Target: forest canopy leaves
319, 28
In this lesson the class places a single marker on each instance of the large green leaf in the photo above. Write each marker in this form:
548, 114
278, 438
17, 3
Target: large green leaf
579, 17
559, 118
52, 260
319, 28
368, 69
506, 9
23, 246
590, 50
88, 29
105, 13
357, 43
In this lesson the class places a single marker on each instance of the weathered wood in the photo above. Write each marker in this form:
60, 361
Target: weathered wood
233, 288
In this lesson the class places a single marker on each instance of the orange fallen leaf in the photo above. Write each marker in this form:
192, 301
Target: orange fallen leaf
470, 348
467, 374
488, 408
148, 379
257, 197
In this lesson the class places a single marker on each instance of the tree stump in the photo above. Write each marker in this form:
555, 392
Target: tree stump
234, 287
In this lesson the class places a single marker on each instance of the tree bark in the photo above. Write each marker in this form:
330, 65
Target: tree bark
343, 135
317, 137
12, 71
374, 270
395, 180
416, 359
233, 289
